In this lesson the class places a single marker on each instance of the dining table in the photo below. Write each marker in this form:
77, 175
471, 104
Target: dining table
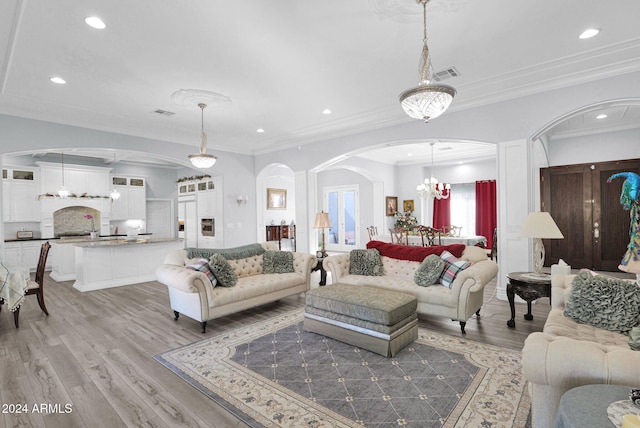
14, 281
444, 240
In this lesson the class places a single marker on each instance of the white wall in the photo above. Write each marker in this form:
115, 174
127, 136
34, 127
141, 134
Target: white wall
595, 148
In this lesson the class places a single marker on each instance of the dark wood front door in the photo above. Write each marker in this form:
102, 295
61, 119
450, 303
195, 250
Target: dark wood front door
587, 210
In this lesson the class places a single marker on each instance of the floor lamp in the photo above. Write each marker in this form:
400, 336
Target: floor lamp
539, 226
322, 222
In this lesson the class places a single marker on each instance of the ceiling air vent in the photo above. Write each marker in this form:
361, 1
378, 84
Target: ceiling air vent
445, 74
164, 112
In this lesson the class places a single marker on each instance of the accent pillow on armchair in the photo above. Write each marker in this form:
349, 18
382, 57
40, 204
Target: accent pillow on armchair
609, 303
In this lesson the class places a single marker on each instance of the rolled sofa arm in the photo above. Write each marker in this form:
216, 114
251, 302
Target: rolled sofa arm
563, 362
337, 265
480, 273
302, 265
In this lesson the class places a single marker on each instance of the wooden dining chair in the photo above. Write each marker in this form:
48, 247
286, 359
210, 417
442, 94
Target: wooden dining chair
429, 236
399, 236
494, 246
37, 287
372, 231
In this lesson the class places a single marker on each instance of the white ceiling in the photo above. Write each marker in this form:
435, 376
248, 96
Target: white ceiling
282, 62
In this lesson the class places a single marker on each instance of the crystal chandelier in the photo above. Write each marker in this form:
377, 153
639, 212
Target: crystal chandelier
431, 188
426, 101
202, 160
62, 191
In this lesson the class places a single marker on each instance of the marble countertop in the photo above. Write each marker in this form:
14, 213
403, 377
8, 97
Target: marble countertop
110, 242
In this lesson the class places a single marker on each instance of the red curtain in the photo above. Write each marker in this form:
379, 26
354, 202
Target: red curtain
442, 212
486, 218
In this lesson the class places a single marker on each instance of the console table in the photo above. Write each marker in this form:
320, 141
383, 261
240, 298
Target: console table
280, 232
529, 289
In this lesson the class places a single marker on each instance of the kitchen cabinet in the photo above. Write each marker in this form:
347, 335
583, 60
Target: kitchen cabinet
20, 189
132, 204
24, 253
78, 179
198, 200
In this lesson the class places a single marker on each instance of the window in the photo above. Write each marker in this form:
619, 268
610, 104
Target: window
463, 207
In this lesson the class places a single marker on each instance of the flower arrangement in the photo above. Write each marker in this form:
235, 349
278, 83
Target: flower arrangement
93, 225
406, 220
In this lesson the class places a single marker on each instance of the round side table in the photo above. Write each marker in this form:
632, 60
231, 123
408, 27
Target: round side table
586, 406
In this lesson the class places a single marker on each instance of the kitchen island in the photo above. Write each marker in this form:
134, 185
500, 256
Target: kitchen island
110, 262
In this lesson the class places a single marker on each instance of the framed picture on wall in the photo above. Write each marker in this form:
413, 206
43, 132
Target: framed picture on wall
276, 199
408, 206
392, 205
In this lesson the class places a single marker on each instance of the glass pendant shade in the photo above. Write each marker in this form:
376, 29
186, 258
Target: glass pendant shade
426, 101
203, 160
63, 192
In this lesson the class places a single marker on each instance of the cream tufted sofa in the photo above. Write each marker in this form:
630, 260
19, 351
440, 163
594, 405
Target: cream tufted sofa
460, 302
567, 354
192, 294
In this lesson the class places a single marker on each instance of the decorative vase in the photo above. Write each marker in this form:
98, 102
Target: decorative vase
94, 235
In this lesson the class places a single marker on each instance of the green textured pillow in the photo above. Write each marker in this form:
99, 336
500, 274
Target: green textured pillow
429, 271
604, 302
634, 338
223, 271
365, 262
277, 262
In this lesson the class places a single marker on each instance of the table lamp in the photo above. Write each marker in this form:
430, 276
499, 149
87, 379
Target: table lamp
322, 222
539, 226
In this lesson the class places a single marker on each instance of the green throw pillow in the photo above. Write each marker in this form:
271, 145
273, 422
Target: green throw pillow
634, 338
604, 302
223, 271
277, 262
429, 271
365, 262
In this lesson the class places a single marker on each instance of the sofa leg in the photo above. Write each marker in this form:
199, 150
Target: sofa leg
204, 325
176, 315
462, 324
478, 313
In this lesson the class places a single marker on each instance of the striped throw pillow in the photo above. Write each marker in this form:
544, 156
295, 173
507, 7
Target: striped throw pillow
202, 265
452, 266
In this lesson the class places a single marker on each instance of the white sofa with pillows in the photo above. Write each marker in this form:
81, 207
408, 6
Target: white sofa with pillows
453, 288
589, 338
209, 283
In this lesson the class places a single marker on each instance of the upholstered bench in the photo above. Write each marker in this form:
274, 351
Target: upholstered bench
379, 320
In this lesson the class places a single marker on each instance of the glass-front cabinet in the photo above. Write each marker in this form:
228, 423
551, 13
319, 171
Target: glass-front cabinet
20, 188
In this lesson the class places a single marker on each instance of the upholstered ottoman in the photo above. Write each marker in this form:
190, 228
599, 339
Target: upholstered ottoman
371, 318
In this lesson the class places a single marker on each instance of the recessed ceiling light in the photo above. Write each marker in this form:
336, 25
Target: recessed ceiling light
58, 80
95, 22
589, 33
601, 116
409, 154
326, 111
259, 130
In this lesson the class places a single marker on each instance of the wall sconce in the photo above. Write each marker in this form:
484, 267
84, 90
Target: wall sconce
242, 199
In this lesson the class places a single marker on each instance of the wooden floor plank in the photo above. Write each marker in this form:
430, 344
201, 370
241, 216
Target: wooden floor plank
96, 351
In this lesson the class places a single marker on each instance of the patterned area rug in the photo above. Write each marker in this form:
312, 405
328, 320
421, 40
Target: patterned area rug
275, 374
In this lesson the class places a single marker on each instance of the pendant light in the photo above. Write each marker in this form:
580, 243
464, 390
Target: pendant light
426, 101
115, 194
202, 160
62, 191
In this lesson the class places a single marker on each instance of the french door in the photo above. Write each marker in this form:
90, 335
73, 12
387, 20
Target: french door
342, 205
588, 212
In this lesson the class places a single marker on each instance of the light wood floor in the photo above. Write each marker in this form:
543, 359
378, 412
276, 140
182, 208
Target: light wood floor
94, 352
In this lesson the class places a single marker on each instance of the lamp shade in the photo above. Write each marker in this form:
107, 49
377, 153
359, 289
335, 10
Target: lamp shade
540, 225
322, 221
